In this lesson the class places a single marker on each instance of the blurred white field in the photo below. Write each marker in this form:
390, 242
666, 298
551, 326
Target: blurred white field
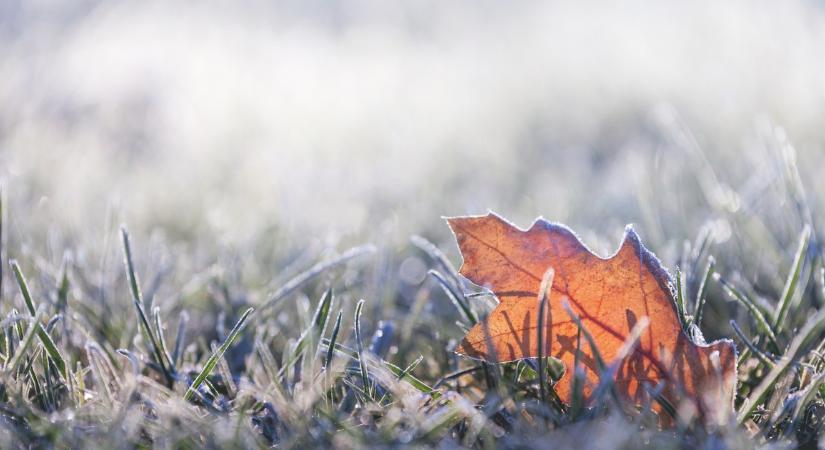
343, 118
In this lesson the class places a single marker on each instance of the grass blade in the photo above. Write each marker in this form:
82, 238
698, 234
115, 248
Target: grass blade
806, 335
24, 287
761, 322
319, 268
180, 338
162, 339
23, 349
793, 279
213, 360
759, 354
437, 255
333, 338
360, 347
680, 299
701, 294
44, 337
544, 315
457, 298
312, 335
137, 298
597, 356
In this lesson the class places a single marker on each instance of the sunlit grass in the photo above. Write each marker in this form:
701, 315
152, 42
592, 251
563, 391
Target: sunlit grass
354, 347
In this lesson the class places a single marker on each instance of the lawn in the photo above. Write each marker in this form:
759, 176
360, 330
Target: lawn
224, 227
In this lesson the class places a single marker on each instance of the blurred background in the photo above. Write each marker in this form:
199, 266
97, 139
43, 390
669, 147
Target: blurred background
277, 127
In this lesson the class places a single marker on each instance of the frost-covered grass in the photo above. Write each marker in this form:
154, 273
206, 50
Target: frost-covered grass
148, 339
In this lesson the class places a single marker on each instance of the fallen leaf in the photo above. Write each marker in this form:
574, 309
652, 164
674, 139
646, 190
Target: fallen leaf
609, 295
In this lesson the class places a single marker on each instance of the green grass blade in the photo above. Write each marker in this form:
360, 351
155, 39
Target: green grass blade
407, 370
333, 338
44, 337
404, 375
213, 360
793, 279
809, 394
701, 294
23, 349
680, 299
52, 350
437, 255
319, 268
359, 342
544, 315
162, 339
761, 322
457, 298
180, 337
759, 354
597, 356
397, 371
312, 335
63, 284
797, 349
137, 298
24, 287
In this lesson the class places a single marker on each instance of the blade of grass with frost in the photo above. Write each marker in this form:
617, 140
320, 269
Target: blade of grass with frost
23, 349
47, 376
34, 382
267, 360
362, 363
808, 333
793, 279
577, 379
457, 299
656, 395
597, 356
332, 340
680, 299
162, 339
63, 284
544, 315
810, 393
438, 256
701, 294
456, 374
759, 354
629, 344
180, 337
99, 375
137, 298
397, 371
44, 337
411, 367
226, 375
702, 243
311, 337
763, 324
405, 375
406, 371
213, 360
319, 268
579, 376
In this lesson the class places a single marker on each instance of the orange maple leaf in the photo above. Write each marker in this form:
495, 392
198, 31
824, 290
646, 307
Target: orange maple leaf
609, 296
